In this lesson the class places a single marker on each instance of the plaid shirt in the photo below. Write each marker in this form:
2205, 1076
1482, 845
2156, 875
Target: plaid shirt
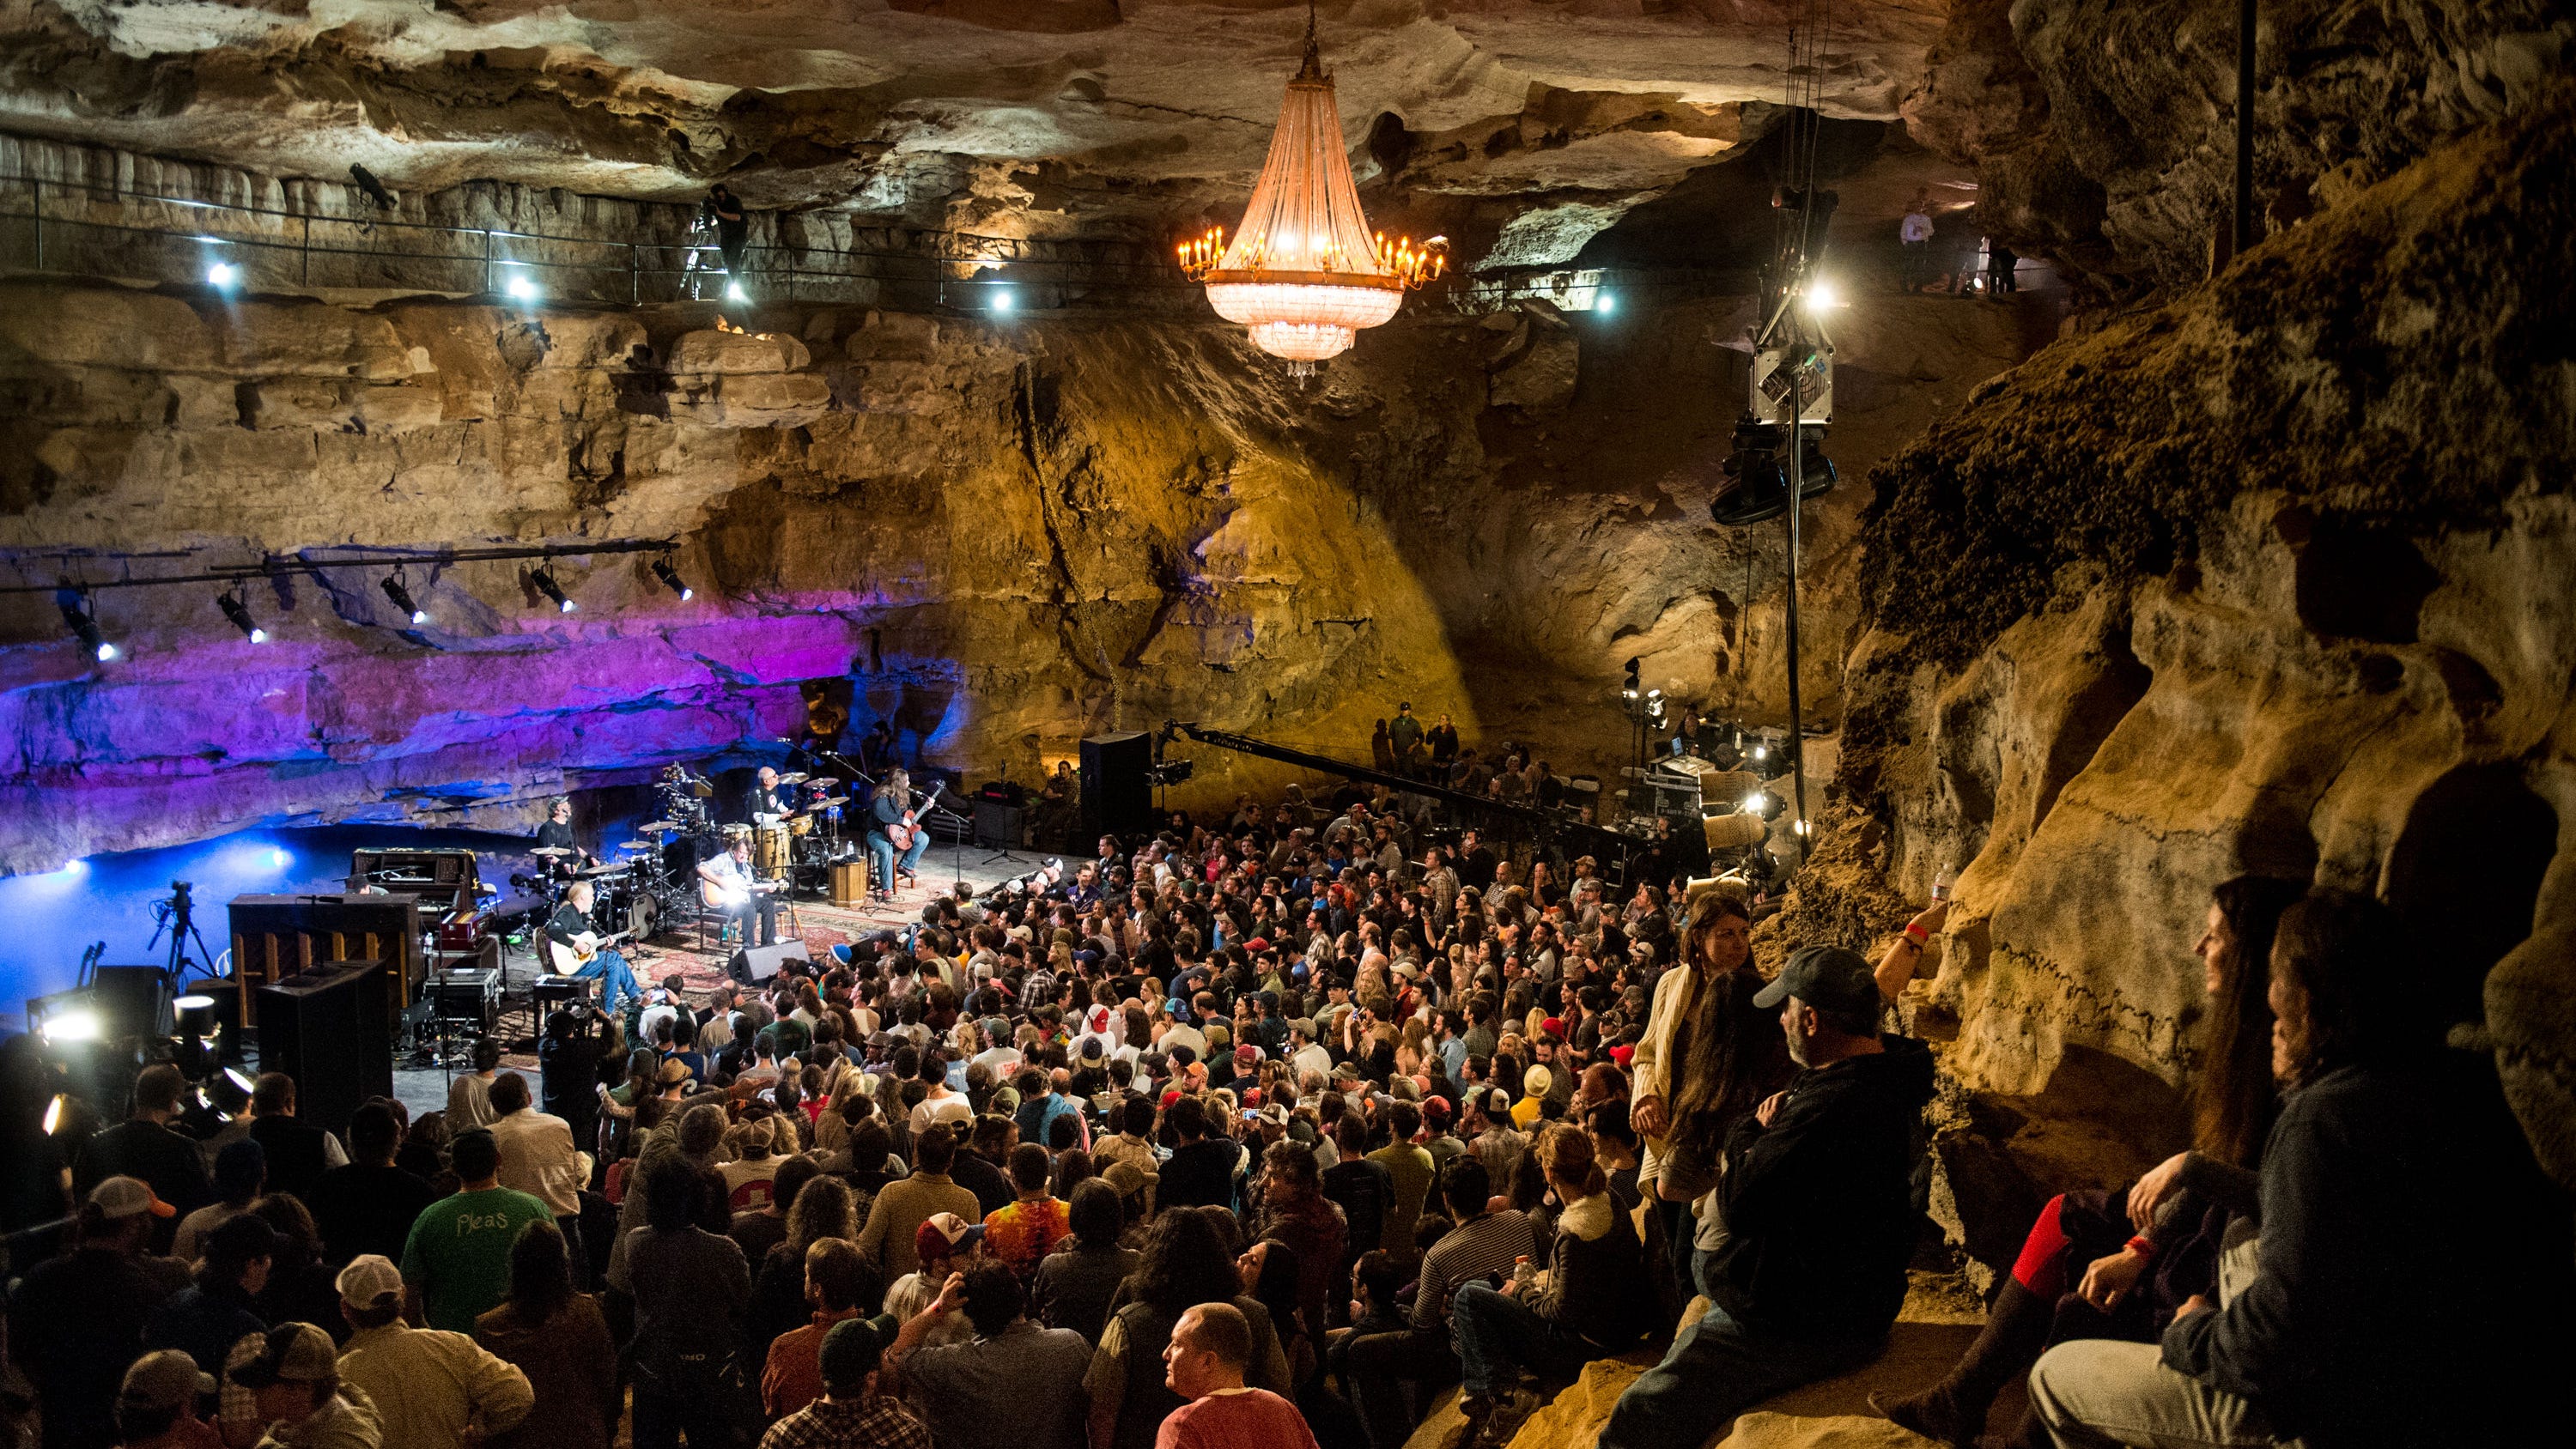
876, 1422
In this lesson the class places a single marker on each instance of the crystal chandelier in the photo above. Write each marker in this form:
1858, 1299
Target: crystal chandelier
1304, 271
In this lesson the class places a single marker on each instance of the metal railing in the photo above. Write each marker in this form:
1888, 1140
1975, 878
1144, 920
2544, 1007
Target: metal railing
68, 228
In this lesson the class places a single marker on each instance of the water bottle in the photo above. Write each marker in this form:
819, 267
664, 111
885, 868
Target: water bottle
1942, 880
1523, 1275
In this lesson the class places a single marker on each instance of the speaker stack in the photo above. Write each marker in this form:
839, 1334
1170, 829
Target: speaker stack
1117, 785
331, 1030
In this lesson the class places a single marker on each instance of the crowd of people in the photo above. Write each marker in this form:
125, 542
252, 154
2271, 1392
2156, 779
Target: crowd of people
1269, 1131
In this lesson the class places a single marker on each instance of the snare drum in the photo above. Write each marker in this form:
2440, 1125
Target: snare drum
769, 850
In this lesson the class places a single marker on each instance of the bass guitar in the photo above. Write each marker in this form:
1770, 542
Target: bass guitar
585, 948
902, 833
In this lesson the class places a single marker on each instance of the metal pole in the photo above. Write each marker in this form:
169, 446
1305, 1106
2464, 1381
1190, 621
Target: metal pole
36, 189
308, 249
2244, 126
1797, 482
487, 262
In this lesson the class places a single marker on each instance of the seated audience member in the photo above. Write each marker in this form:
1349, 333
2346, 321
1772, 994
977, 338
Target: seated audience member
1076, 1282
2371, 1310
1481, 1245
2087, 1268
852, 1414
292, 1374
1592, 1302
76, 1321
161, 1404
840, 1285
1204, 1364
1013, 1386
432, 1389
560, 1340
1819, 1217
1020, 1234
206, 1318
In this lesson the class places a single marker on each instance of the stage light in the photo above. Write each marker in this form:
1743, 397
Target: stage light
547, 586
54, 1113
280, 859
1002, 299
76, 1024
1755, 803
671, 580
1761, 752
401, 596
83, 626
523, 290
222, 275
238, 1080
239, 612
1604, 303
735, 293
1823, 295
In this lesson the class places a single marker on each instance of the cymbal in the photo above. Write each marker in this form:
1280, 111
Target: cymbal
650, 826
799, 778
597, 871
829, 800
639, 845
551, 852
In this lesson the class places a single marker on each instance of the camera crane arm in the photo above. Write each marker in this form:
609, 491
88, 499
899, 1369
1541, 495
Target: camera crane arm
1592, 839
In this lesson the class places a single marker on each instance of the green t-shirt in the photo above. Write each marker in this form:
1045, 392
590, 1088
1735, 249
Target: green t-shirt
458, 1254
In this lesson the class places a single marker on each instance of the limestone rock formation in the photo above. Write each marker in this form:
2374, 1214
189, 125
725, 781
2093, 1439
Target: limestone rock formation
2271, 576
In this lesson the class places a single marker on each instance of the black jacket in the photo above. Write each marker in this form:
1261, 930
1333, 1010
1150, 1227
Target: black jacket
1818, 1212
1199, 1174
2415, 1268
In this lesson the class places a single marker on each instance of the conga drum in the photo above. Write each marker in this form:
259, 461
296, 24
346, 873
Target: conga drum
769, 849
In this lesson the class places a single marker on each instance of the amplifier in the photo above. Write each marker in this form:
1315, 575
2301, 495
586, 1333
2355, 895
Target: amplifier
467, 994
997, 824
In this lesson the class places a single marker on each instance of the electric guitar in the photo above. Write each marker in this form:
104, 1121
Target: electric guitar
585, 948
904, 832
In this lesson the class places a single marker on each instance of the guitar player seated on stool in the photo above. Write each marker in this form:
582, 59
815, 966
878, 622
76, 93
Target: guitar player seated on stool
891, 820
570, 934
726, 882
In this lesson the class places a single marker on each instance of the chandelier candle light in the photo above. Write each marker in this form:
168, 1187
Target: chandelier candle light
1304, 271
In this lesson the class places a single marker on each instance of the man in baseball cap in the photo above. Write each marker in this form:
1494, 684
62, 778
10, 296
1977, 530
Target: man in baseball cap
293, 1374
159, 1406
851, 1410
1800, 1294
433, 1388
93, 1305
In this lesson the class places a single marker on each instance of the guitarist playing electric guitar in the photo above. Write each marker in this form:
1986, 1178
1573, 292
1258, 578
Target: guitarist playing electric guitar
577, 949
895, 826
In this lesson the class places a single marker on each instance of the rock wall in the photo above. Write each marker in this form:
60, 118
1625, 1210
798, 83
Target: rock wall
1002, 536
2272, 575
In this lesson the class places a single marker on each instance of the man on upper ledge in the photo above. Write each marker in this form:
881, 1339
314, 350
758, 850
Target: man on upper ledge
1819, 1217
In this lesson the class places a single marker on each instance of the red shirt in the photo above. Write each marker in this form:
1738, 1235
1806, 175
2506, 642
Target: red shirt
1021, 1234
1236, 1419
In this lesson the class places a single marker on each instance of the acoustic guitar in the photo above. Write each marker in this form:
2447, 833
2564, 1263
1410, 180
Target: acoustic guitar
585, 948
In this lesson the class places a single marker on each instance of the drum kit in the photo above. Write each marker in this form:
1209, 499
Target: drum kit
798, 847
653, 881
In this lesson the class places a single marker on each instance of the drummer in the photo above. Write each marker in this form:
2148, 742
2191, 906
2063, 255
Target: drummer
767, 799
556, 835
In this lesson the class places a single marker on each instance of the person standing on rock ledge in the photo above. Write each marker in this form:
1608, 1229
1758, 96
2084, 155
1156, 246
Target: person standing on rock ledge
724, 211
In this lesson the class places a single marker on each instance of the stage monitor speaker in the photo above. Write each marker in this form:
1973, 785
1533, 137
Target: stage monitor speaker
331, 1030
1117, 788
756, 964
997, 824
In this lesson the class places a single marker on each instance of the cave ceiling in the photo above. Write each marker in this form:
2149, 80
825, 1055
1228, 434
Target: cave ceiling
1031, 117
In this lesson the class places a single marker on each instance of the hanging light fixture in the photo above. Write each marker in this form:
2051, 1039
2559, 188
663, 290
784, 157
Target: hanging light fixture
1304, 271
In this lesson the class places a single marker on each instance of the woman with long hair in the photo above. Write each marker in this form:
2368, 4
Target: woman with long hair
824, 1208
2118, 1264
1269, 1271
1186, 1262
560, 1340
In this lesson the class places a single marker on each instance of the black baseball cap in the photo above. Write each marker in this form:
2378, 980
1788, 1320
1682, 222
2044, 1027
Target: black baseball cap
1829, 978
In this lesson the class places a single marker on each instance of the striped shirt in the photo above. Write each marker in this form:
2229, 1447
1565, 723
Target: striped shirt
1476, 1248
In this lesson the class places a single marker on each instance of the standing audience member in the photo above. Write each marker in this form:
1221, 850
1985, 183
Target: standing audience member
369, 1205
145, 1146
1020, 1235
469, 1097
241, 1171
904, 1206
76, 1322
538, 1156
841, 1286
852, 1414
161, 1404
691, 1287
292, 1374
205, 1319
1076, 1283
298, 1152
457, 1259
560, 1340
1013, 1386
432, 1389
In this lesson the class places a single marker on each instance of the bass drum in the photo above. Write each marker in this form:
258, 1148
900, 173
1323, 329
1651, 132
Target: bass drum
629, 906
643, 916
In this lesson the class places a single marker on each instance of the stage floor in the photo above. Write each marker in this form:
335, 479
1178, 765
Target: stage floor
424, 1089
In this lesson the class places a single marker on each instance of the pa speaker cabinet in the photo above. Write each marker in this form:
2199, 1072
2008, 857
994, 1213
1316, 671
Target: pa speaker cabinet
756, 964
1117, 785
997, 824
330, 1029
